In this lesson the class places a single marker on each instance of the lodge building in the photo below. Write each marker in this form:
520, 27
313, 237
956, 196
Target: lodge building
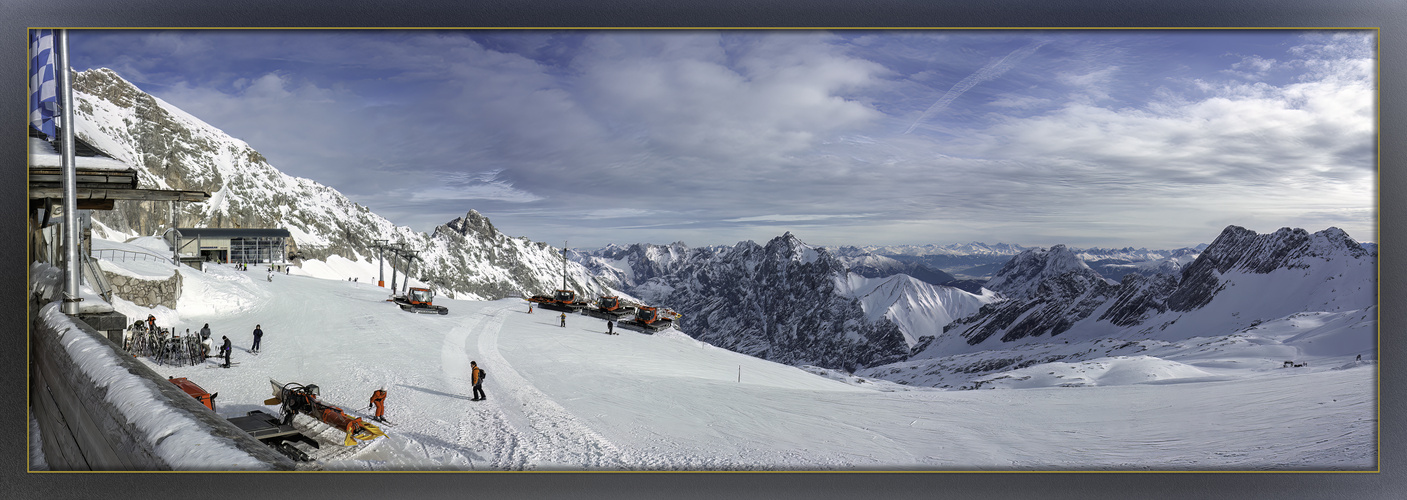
231, 245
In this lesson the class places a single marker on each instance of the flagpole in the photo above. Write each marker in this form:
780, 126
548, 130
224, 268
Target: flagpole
70, 237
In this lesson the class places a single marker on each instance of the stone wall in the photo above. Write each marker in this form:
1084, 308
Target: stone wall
146, 293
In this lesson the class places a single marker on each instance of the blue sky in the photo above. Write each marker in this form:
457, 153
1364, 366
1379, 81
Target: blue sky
1107, 138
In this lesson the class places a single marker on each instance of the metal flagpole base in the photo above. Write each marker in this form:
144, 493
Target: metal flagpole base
70, 305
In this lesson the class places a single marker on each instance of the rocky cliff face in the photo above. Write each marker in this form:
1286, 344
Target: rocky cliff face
465, 258
784, 301
1240, 249
1047, 291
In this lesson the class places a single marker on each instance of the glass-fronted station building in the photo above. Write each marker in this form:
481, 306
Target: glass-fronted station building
231, 245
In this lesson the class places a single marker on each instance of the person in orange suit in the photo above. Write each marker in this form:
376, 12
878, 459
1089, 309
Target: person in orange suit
378, 399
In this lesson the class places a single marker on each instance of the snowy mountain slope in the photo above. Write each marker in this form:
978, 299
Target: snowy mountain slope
980, 261
783, 301
1023, 275
973, 248
1242, 280
786, 301
919, 309
870, 265
173, 150
575, 399
625, 267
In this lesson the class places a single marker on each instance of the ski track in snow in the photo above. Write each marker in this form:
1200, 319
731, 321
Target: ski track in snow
554, 437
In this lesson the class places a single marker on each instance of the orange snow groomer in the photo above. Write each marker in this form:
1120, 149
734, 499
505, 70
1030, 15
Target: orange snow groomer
378, 398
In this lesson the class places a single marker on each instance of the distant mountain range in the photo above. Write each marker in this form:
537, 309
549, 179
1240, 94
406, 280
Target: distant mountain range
1241, 280
849, 307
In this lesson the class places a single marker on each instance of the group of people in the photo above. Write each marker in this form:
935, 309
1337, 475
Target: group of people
226, 346
206, 344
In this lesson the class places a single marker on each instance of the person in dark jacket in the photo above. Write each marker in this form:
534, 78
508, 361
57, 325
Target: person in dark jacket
205, 332
610, 327
476, 375
564, 320
225, 350
258, 334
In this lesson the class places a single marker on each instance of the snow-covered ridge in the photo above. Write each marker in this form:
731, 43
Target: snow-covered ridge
919, 309
1239, 283
172, 149
1022, 276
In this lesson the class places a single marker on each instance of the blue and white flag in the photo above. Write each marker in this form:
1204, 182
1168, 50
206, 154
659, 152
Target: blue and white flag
43, 89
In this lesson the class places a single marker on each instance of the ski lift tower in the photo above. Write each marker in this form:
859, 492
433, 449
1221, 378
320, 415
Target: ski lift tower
395, 249
380, 247
410, 257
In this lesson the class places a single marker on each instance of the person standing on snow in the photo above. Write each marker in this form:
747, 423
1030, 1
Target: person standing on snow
225, 350
258, 334
610, 327
564, 320
205, 346
378, 399
205, 332
476, 376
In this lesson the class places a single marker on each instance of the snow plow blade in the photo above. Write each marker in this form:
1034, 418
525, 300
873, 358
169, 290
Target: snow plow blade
300, 399
362, 431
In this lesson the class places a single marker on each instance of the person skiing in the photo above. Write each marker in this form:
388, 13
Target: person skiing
271, 275
530, 307
378, 398
476, 376
610, 327
564, 320
205, 332
258, 334
225, 350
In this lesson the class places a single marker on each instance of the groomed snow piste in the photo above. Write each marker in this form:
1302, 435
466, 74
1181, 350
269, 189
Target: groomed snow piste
575, 398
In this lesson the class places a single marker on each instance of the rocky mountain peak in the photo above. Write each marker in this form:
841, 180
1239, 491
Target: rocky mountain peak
1024, 274
1238, 249
473, 222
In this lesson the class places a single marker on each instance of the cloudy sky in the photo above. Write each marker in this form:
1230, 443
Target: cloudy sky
1153, 139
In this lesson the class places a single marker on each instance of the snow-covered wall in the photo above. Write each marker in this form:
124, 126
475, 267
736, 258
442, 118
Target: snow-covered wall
100, 409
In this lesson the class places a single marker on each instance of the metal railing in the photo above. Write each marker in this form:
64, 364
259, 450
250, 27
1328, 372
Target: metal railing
114, 254
96, 277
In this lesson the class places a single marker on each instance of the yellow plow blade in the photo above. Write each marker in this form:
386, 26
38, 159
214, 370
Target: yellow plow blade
368, 432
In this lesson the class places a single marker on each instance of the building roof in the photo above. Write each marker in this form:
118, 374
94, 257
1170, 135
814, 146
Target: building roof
233, 232
100, 179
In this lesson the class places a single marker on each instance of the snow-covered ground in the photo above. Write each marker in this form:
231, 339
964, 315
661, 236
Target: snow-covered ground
574, 398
